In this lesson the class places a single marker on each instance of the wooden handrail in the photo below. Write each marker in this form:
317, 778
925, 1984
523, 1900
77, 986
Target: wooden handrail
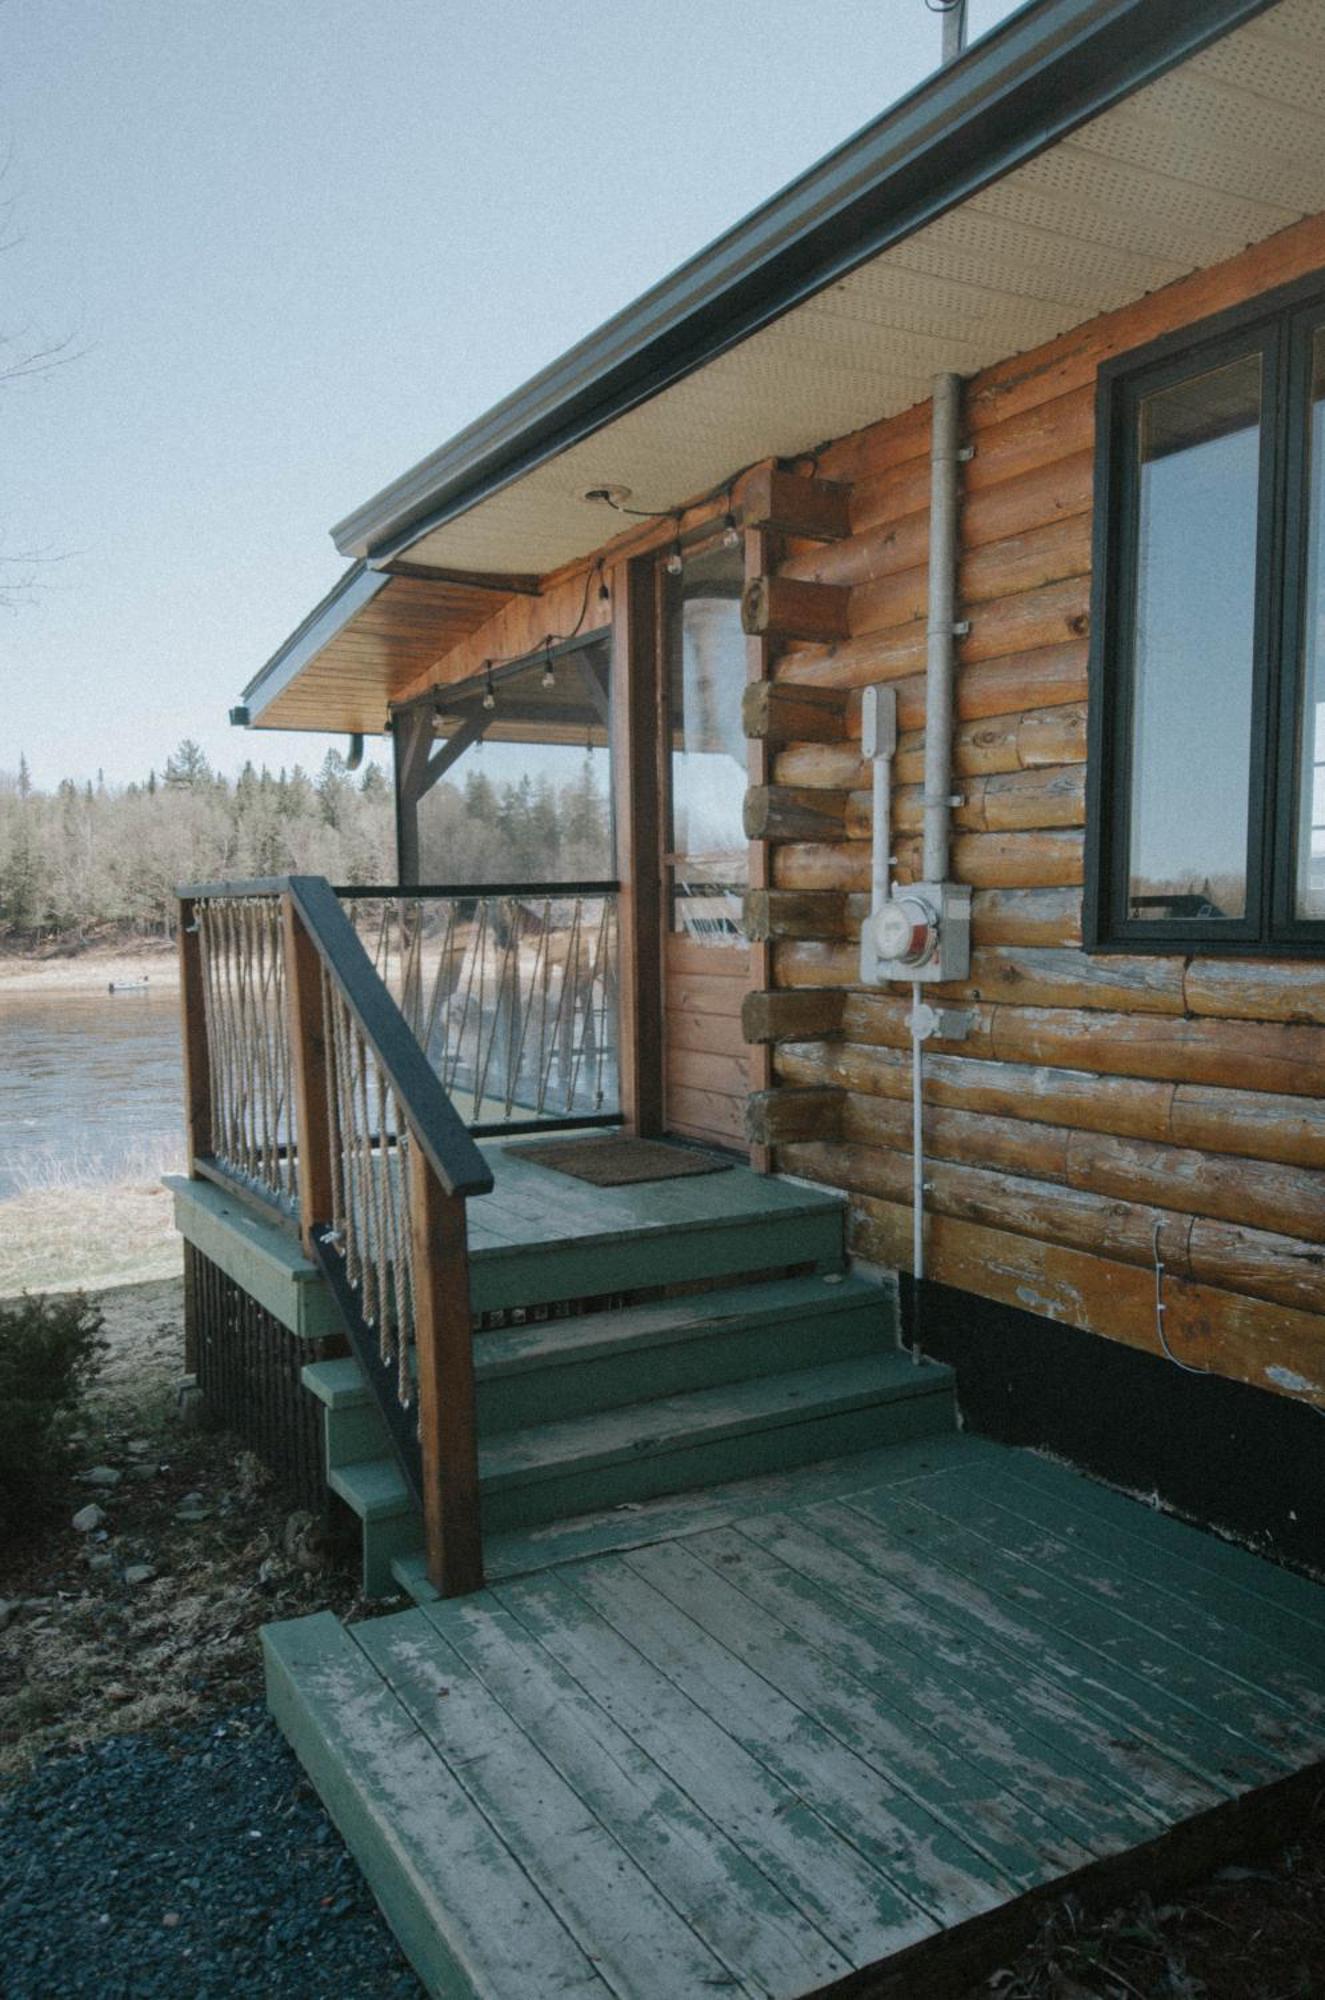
446, 1167
327, 971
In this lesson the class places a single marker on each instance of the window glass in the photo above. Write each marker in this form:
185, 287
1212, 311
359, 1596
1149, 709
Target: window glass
1310, 846
530, 801
1198, 446
706, 672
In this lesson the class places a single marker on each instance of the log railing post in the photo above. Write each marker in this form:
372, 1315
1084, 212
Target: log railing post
443, 1341
311, 1121
193, 1024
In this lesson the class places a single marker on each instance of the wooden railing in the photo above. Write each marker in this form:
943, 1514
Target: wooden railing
352, 1124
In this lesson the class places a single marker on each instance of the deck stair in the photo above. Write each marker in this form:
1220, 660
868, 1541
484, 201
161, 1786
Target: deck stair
608, 1408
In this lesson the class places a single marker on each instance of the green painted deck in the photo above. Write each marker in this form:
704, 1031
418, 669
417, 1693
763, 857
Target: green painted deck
634, 1341
757, 1738
542, 1236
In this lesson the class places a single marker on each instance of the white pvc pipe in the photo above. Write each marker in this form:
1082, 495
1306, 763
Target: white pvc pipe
917, 1146
940, 655
881, 837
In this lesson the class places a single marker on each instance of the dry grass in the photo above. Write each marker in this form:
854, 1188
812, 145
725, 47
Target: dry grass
65, 1237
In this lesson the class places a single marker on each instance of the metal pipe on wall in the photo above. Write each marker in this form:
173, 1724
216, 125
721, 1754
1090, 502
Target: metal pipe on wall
941, 645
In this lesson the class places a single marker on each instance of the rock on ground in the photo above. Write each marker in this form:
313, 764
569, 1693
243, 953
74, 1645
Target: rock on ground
192, 1862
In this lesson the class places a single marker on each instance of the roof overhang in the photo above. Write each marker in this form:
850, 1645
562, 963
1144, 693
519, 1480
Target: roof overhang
1085, 153
374, 632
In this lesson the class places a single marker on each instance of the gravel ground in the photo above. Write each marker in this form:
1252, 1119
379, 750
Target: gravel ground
195, 1864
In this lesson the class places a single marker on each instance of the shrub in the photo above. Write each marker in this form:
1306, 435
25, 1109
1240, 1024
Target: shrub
50, 1349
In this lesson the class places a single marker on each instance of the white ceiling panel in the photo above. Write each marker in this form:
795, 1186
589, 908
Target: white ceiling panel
1186, 172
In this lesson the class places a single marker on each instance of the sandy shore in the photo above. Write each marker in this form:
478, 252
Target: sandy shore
92, 971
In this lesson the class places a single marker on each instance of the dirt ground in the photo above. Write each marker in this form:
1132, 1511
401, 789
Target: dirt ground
150, 1616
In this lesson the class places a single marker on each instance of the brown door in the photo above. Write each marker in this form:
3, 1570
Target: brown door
705, 959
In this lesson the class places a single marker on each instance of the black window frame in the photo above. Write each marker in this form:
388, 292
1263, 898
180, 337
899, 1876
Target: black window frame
1280, 325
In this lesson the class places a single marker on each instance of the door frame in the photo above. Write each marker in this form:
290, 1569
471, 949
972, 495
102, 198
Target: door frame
639, 713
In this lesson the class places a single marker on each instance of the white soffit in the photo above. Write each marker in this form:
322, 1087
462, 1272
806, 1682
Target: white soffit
1185, 173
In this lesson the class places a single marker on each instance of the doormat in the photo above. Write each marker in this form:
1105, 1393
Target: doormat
619, 1162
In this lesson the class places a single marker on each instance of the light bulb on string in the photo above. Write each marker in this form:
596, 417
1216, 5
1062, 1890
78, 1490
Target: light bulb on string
489, 693
549, 676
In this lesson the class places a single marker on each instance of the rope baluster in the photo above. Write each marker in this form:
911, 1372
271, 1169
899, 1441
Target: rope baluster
244, 1010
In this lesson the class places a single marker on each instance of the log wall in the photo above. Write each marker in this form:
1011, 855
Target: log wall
1104, 1110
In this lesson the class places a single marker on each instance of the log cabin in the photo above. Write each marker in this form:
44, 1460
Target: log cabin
936, 565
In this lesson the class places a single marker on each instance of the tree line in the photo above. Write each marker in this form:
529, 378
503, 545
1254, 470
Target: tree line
88, 860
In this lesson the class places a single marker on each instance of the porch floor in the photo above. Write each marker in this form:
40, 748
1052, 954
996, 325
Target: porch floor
542, 1233
756, 1740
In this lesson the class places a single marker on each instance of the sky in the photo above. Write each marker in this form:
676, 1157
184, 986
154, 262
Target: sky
291, 247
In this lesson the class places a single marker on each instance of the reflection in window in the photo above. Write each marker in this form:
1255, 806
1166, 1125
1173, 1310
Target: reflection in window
1310, 845
706, 678
1193, 637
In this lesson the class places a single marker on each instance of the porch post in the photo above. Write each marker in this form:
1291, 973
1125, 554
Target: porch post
197, 1054
760, 554
309, 1058
634, 711
444, 1349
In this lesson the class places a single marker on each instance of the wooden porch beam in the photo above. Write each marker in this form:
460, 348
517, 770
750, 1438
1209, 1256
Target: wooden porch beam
504, 583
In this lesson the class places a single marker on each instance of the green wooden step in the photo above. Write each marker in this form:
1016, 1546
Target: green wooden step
523, 1551
801, 1228
621, 1457
467, 1914
570, 1367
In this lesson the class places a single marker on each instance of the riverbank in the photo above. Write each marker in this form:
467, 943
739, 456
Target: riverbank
151, 963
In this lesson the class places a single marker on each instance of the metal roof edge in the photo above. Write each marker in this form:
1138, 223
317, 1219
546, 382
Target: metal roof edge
1044, 71
348, 595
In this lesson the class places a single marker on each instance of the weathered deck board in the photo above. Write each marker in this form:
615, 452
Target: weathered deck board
855, 1907
753, 1926
947, 1563
1069, 1711
1247, 1689
760, 1749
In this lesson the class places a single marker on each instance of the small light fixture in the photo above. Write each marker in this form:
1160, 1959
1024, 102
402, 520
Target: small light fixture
549, 676
731, 534
489, 693
675, 562
604, 589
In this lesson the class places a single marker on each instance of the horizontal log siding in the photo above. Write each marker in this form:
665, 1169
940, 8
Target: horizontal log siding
1099, 1104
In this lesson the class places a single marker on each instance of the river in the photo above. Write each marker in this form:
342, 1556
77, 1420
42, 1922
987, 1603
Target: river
91, 1088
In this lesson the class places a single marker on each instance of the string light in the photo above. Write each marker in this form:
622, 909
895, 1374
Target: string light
549, 677
489, 693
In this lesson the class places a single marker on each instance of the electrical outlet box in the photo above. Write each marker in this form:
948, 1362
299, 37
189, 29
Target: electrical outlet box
878, 721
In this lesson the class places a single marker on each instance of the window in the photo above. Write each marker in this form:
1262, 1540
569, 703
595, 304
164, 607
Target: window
1207, 806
